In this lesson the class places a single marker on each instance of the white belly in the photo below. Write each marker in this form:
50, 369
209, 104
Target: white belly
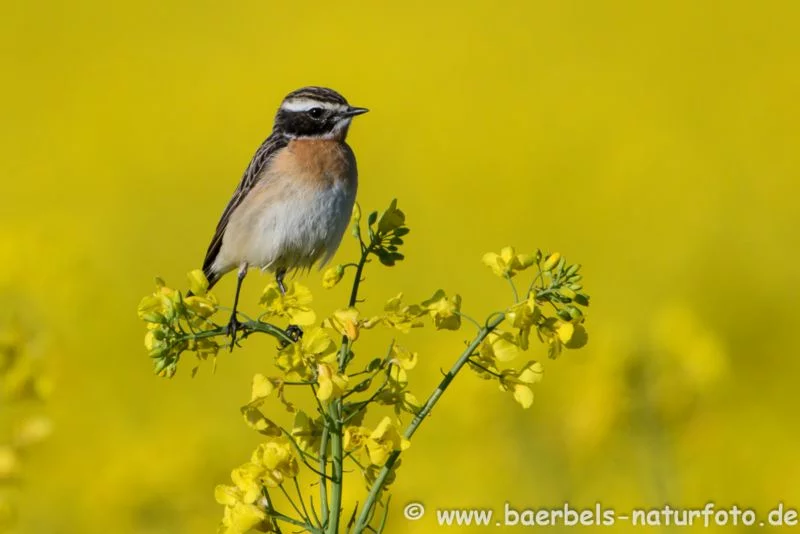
289, 226
306, 227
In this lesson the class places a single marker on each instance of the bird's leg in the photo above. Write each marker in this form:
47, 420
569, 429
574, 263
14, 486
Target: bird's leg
234, 324
294, 331
279, 274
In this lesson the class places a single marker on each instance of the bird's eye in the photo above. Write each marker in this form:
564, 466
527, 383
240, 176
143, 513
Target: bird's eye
315, 113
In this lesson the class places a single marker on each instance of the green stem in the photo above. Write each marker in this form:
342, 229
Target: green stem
302, 500
337, 471
377, 486
291, 520
334, 424
513, 288
246, 328
323, 468
365, 252
293, 505
382, 526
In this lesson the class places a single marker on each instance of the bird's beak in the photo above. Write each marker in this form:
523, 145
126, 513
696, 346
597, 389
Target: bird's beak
353, 111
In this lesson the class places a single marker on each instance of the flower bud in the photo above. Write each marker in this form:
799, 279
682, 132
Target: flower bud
551, 261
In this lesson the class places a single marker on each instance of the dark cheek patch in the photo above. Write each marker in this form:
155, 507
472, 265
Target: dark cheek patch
330, 123
303, 125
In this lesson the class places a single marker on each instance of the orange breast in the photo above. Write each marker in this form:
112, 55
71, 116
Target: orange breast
322, 161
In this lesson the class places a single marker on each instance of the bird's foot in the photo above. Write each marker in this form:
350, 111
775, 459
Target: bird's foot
233, 327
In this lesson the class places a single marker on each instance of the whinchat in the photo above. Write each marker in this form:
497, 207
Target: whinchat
295, 200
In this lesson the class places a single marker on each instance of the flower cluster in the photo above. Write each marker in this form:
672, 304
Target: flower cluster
360, 405
247, 502
556, 287
176, 324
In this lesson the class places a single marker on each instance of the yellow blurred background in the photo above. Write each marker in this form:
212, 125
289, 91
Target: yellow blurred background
656, 143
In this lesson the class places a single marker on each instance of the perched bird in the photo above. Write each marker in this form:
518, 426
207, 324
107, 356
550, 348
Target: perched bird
295, 200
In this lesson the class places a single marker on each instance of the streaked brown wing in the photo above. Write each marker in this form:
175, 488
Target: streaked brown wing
260, 160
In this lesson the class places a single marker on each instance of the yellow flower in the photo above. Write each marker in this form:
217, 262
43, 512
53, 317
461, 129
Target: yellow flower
299, 360
227, 495
332, 384
403, 401
319, 345
371, 474
240, 517
198, 283
445, 312
395, 393
404, 358
508, 263
488, 366
155, 341
201, 307
160, 307
271, 464
247, 478
499, 346
332, 276
294, 305
295, 363
391, 219
344, 321
258, 421
262, 388
559, 334
355, 437
520, 382
278, 462
565, 331
151, 309
523, 316
400, 316
383, 441
306, 431
398, 378
203, 348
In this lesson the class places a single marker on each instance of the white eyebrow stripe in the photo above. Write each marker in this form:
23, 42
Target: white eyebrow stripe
304, 104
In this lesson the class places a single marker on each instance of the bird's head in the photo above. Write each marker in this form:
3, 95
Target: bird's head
315, 113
